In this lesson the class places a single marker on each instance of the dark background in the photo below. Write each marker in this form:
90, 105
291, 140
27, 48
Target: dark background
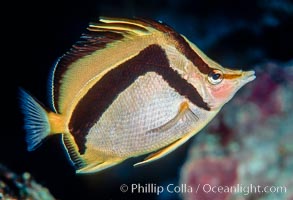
240, 34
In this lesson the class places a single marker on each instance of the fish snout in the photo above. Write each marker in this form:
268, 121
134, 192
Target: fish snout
248, 76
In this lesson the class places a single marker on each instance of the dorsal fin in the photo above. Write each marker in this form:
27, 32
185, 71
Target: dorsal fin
97, 37
88, 43
105, 45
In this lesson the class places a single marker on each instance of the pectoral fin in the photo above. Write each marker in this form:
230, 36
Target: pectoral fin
184, 111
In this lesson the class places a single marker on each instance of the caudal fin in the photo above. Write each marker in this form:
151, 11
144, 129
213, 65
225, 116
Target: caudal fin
36, 123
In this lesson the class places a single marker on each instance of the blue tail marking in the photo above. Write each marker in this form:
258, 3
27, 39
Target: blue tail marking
36, 123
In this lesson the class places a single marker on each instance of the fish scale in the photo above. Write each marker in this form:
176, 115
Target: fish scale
156, 109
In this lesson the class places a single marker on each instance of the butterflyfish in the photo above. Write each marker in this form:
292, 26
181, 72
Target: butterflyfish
129, 87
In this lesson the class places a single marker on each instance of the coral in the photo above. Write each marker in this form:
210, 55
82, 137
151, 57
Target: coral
13, 186
215, 171
255, 131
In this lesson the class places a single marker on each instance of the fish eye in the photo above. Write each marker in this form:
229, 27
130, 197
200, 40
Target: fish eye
215, 76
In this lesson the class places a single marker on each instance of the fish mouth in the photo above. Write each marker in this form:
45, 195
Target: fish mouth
248, 76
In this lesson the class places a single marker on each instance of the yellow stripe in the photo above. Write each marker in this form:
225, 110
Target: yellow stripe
232, 76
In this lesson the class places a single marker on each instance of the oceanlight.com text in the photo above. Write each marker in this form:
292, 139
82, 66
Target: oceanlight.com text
244, 190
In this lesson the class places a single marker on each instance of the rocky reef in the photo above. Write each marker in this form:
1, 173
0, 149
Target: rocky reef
246, 152
13, 187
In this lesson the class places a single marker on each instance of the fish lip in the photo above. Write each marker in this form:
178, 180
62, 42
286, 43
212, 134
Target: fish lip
248, 76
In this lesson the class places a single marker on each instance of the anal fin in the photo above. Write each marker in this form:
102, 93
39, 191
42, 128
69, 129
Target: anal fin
184, 111
81, 164
72, 152
96, 167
